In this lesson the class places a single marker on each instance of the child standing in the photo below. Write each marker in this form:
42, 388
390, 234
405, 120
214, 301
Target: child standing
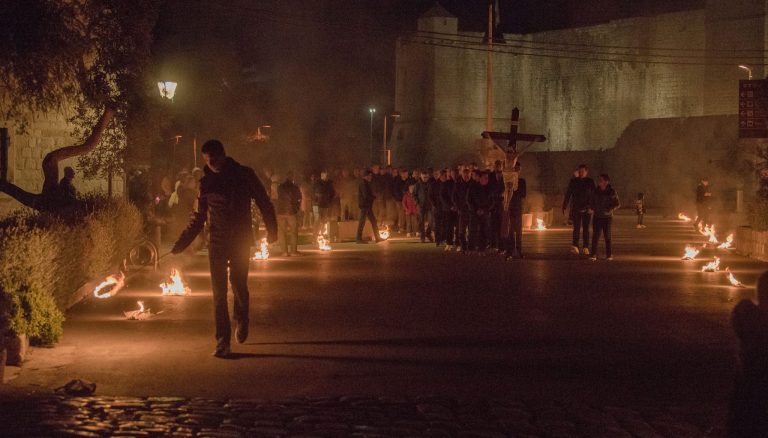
411, 211
640, 209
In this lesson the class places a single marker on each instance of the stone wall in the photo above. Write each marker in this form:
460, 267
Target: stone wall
26, 152
578, 104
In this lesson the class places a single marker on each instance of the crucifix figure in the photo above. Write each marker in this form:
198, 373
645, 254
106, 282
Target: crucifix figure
512, 153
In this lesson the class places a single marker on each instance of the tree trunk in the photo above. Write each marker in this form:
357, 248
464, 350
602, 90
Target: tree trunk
51, 199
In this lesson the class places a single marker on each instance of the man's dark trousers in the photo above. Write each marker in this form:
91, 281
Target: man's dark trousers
515, 238
366, 213
480, 235
439, 226
581, 219
462, 233
496, 228
449, 226
236, 258
602, 225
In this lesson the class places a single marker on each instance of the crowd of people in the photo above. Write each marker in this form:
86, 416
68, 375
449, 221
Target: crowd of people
466, 208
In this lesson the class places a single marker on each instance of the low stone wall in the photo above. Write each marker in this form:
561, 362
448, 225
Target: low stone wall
752, 243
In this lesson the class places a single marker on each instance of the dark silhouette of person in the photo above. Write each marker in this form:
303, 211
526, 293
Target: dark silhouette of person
68, 190
226, 191
748, 416
365, 199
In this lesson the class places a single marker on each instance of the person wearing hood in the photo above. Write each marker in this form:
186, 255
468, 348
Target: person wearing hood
226, 191
602, 203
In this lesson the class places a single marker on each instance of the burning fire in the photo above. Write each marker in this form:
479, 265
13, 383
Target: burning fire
728, 242
175, 286
733, 279
683, 217
139, 314
690, 252
709, 231
384, 233
263, 252
116, 281
712, 266
322, 241
540, 225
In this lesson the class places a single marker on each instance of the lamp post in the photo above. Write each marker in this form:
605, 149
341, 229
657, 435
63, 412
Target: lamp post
394, 115
167, 91
749, 70
371, 111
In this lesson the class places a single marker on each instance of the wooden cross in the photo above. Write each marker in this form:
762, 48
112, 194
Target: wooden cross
512, 154
513, 137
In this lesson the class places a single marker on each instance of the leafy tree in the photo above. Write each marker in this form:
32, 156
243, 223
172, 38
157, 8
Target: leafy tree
86, 54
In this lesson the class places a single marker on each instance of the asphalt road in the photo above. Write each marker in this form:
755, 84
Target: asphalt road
407, 319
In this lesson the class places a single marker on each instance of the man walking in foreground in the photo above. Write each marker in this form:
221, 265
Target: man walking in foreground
226, 190
578, 194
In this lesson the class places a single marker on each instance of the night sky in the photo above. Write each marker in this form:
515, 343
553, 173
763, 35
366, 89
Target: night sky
312, 68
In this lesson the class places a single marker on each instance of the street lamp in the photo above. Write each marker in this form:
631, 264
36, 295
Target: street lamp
394, 115
372, 111
167, 89
749, 70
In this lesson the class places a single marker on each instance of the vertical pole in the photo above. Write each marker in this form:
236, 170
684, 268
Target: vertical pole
371, 145
489, 73
384, 146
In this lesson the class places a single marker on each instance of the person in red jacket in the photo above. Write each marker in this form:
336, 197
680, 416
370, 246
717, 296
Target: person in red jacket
411, 210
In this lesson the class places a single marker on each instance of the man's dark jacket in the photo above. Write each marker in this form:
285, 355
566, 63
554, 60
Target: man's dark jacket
288, 198
481, 197
578, 194
460, 193
446, 195
225, 202
421, 195
518, 196
323, 193
701, 191
365, 195
603, 202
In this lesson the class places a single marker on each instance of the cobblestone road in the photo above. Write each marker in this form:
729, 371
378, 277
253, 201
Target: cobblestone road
344, 416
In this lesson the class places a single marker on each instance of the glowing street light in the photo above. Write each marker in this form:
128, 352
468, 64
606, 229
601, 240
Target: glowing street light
749, 70
372, 111
167, 89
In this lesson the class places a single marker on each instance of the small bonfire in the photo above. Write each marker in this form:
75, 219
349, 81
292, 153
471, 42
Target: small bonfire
139, 314
384, 232
684, 218
712, 266
322, 239
175, 286
690, 252
728, 242
540, 225
263, 252
733, 280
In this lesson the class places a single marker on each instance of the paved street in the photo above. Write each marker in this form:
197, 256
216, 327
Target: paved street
403, 320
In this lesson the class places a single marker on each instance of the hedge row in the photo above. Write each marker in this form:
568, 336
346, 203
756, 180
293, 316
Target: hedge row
44, 260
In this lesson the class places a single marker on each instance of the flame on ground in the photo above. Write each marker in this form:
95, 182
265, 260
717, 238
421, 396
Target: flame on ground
712, 266
690, 252
116, 281
139, 314
683, 217
384, 233
728, 242
175, 286
732, 279
540, 225
263, 252
322, 240
709, 231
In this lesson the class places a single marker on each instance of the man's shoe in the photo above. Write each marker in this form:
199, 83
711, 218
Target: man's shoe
585, 251
609, 258
241, 332
222, 351
593, 258
574, 249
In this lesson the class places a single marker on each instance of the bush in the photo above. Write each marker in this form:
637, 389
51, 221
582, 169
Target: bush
44, 260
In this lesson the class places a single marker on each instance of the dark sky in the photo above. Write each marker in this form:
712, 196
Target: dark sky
315, 66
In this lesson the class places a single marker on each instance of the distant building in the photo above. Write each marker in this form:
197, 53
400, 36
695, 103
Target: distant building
687, 67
